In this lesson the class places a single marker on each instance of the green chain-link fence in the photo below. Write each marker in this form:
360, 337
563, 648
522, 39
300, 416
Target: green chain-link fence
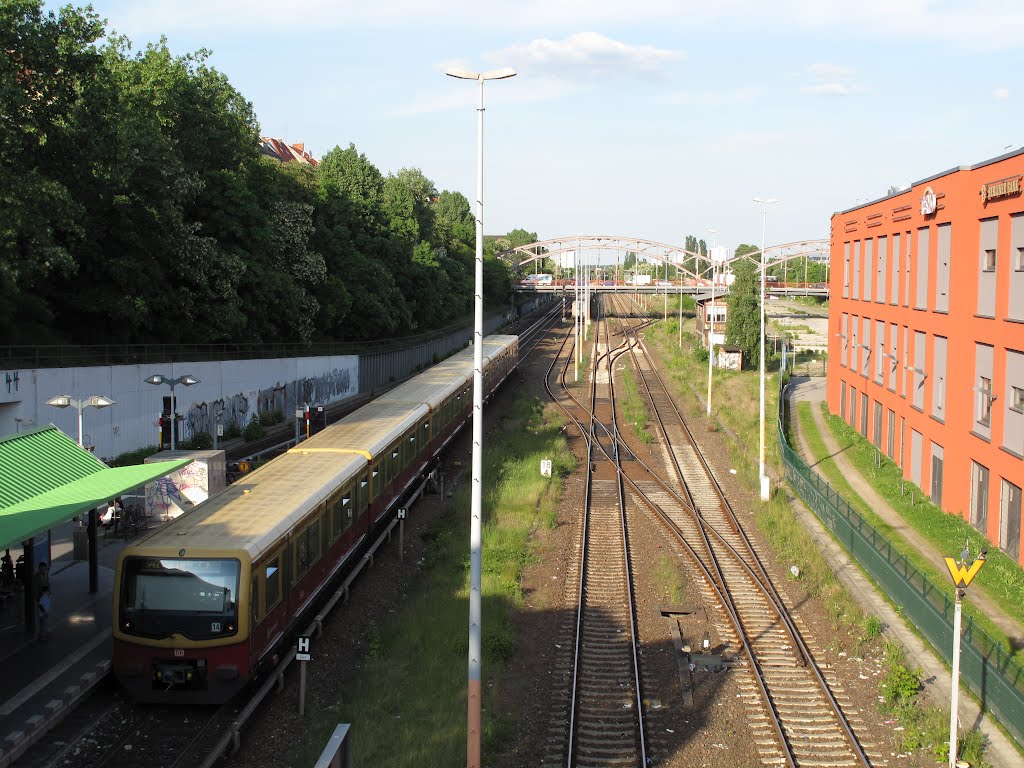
985, 665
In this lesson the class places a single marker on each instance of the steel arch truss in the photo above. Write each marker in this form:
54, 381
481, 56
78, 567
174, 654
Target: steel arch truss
562, 250
591, 247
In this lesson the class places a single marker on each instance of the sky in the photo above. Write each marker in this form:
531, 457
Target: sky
635, 118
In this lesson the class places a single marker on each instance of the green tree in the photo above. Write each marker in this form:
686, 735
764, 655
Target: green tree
46, 61
743, 324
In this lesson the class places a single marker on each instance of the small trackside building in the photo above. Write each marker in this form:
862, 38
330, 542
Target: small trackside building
926, 337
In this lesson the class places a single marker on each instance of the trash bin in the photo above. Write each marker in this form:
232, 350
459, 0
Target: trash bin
81, 542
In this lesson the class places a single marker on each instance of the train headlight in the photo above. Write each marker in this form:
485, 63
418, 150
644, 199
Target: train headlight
158, 674
188, 675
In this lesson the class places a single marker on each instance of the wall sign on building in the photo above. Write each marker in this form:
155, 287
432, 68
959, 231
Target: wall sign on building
1001, 188
928, 202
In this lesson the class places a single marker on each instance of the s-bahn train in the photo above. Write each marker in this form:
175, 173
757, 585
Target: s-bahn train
203, 604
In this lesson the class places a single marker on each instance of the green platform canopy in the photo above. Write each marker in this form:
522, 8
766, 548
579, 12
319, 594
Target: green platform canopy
46, 479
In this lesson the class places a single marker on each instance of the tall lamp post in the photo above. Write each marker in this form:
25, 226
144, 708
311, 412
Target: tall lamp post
474, 722
188, 380
711, 333
764, 202
64, 401
80, 404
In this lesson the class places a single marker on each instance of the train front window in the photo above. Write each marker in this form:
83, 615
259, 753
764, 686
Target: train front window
194, 598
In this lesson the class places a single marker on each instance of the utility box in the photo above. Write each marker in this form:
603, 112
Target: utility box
168, 497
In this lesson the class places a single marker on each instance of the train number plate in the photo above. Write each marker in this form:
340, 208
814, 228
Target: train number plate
179, 652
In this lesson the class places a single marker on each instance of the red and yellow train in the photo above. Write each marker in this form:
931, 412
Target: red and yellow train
202, 604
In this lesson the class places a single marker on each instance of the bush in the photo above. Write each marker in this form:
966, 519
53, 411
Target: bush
253, 430
201, 441
270, 418
232, 431
134, 457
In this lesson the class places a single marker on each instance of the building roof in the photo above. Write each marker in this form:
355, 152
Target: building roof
279, 149
46, 479
700, 298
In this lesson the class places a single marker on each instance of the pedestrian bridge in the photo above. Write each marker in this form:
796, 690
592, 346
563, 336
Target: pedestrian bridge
609, 263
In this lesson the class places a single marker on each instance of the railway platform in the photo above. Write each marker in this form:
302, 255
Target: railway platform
43, 678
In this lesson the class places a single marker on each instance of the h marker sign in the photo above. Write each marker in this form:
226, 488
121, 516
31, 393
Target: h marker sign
302, 651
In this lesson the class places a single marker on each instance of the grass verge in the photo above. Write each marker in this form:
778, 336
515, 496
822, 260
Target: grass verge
407, 704
945, 531
634, 407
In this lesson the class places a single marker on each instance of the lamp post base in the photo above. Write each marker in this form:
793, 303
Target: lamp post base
766, 487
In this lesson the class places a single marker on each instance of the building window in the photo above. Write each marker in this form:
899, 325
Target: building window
1018, 262
985, 397
988, 260
1018, 399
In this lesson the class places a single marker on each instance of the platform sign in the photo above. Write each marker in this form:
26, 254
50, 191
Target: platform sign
401, 514
545, 467
302, 652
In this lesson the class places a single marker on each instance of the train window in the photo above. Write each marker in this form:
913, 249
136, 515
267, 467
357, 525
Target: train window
307, 548
272, 582
425, 435
364, 494
375, 482
346, 511
336, 515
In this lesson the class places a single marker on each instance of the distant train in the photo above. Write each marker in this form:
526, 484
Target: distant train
538, 279
202, 605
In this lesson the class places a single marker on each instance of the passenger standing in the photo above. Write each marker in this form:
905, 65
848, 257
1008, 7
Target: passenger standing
7, 569
42, 589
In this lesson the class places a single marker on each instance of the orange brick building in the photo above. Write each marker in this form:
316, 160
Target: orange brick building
926, 337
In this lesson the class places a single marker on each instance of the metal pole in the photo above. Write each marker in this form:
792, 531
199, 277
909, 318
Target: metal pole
174, 416
711, 335
79, 408
680, 276
474, 719
955, 693
761, 442
763, 478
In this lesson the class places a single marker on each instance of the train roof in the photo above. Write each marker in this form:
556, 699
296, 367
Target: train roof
437, 382
256, 511
371, 428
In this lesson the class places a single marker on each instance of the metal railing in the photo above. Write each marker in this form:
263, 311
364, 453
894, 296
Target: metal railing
986, 666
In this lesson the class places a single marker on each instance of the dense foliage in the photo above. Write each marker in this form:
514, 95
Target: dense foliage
135, 207
743, 322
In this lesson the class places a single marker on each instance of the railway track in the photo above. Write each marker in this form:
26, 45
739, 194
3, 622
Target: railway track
605, 717
795, 714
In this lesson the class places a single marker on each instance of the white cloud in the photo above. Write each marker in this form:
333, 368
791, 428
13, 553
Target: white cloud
827, 89
712, 98
830, 80
587, 55
823, 71
1001, 93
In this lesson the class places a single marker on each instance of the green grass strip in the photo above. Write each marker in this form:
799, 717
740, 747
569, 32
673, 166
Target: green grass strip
946, 532
407, 705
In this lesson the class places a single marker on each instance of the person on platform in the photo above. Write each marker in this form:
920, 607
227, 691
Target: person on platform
7, 569
41, 587
110, 516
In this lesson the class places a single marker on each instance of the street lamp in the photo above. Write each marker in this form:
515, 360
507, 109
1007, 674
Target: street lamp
765, 202
188, 380
64, 401
474, 721
711, 333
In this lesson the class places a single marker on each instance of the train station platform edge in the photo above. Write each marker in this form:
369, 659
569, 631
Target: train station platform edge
42, 678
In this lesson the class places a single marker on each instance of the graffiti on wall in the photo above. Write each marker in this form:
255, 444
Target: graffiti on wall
241, 408
169, 496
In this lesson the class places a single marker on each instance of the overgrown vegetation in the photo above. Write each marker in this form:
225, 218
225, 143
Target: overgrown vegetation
852, 631
408, 701
634, 407
1004, 583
